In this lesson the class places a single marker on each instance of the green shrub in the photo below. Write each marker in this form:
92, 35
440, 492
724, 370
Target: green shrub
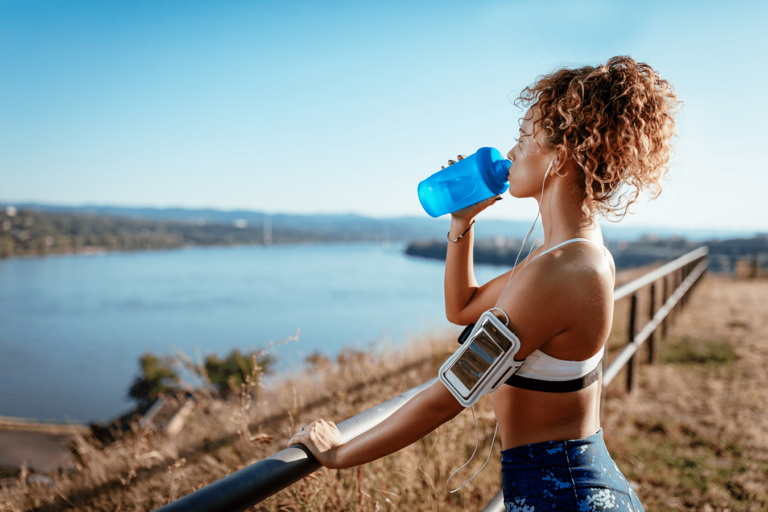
687, 350
158, 376
229, 374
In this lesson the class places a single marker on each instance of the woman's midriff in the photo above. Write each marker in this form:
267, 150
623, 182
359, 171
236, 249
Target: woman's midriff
527, 417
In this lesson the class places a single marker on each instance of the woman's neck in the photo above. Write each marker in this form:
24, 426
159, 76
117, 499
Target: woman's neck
561, 214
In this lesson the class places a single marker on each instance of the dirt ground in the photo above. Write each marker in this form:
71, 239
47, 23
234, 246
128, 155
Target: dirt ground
695, 436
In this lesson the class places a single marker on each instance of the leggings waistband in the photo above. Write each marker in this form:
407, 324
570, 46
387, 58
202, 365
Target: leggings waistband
547, 452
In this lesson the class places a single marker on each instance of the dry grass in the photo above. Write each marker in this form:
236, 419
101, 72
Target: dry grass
693, 437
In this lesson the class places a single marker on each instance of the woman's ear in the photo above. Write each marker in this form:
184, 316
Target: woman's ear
558, 164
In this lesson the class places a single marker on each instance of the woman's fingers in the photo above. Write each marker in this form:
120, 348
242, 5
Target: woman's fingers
321, 438
319, 434
301, 436
296, 439
451, 162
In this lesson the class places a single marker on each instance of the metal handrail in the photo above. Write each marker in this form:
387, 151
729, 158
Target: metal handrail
255, 483
633, 286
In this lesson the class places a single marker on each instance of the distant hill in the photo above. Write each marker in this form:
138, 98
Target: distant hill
356, 227
31, 232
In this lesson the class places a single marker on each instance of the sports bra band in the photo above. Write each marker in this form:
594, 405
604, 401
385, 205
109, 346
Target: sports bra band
557, 386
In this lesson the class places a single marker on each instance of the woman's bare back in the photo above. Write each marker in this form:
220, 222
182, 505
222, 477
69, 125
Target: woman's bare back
573, 290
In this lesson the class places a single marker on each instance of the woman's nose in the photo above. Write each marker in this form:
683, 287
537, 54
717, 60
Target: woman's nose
511, 154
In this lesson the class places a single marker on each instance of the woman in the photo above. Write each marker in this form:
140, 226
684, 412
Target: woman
592, 139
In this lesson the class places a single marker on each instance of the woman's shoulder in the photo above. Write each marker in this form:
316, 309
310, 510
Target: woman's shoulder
555, 295
577, 270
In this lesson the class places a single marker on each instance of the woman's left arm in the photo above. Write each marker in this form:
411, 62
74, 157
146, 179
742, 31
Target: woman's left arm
418, 417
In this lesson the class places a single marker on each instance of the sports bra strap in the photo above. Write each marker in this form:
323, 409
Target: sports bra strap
568, 242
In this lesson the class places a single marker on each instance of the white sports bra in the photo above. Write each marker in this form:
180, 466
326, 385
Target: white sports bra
542, 372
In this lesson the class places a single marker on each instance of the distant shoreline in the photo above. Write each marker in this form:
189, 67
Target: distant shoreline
28, 425
58, 231
106, 252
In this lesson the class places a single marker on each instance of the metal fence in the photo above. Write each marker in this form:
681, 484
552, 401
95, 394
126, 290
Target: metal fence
253, 484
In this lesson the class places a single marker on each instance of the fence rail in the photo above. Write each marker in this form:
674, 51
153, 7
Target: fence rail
253, 484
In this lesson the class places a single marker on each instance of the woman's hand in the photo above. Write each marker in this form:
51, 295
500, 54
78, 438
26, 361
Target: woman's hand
322, 438
470, 212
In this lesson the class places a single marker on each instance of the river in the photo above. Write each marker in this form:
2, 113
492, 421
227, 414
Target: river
72, 328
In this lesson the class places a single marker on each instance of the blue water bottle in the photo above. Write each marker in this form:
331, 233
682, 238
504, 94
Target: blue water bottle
466, 182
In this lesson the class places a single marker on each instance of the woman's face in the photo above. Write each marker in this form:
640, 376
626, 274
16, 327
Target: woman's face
530, 159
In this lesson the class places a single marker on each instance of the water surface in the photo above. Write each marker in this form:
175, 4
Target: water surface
72, 328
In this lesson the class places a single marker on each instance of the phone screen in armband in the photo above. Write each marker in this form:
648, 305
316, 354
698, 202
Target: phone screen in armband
475, 361
483, 362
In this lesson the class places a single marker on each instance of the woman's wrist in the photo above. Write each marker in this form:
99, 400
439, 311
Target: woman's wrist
459, 225
336, 458
329, 458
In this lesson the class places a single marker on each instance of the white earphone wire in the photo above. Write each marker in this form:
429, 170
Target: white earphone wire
525, 240
477, 443
495, 430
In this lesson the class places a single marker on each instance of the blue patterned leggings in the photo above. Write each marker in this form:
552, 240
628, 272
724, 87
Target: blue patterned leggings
574, 475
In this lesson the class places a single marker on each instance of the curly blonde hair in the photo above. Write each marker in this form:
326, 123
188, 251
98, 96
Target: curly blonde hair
615, 121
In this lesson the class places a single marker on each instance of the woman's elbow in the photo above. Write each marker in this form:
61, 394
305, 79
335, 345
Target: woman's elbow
459, 311
457, 317
441, 402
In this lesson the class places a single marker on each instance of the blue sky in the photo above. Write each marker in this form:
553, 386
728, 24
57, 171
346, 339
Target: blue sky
311, 107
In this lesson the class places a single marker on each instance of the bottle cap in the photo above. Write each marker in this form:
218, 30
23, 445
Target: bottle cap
495, 169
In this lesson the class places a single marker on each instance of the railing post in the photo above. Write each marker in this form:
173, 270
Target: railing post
602, 389
698, 280
754, 267
633, 366
683, 275
664, 297
653, 340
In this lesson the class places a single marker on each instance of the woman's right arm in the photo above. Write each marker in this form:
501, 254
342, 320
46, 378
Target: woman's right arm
465, 301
